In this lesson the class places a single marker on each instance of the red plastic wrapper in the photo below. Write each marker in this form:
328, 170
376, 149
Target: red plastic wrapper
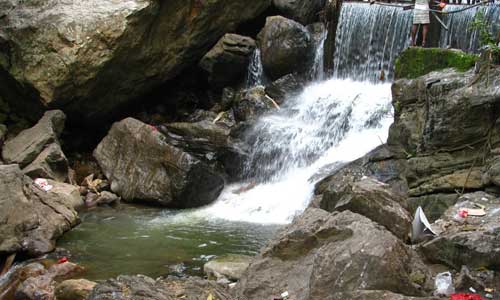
62, 260
465, 297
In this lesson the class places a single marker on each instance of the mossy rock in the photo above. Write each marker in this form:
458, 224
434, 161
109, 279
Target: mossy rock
415, 62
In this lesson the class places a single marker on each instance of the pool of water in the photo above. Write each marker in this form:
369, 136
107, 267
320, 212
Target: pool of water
153, 241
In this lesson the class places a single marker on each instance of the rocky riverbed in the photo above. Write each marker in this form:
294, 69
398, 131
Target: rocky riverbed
122, 119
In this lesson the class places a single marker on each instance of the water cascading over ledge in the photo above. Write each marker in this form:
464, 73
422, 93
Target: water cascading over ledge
369, 39
459, 34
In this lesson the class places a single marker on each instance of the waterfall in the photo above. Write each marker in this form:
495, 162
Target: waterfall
332, 122
255, 73
460, 35
369, 39
317, 71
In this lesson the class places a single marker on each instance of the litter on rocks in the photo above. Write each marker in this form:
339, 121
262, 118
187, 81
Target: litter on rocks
465, 297
43, 184
444, 285
420, 226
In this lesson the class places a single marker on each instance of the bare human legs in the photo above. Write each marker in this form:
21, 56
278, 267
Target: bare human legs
414, 34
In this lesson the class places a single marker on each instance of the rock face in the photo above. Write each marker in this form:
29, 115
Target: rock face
74, 289
227, 62
30, 218
26, 146
207, 137
286, 47
42, 286
374, 200
289, 85
88, 57
145, 288
303, 11
228, 266
250, 104
141, 165
446, 126
474, 242
51, 163
322, 252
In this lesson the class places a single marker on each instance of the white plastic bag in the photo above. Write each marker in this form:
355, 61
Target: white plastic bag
444, 284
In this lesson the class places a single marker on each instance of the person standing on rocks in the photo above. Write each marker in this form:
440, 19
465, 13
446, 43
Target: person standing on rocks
420, 17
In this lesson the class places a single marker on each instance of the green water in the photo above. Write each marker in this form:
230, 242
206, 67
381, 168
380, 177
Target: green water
156, 242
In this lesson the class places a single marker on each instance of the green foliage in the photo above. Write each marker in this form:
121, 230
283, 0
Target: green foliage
486, 36
415, 62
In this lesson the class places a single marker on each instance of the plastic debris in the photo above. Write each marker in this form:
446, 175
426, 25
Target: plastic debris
475, 212
284, 295
43, 184
210, 297
62, 260
444, 284
420, 225
489, 296
489, 290
473, 290
465, 297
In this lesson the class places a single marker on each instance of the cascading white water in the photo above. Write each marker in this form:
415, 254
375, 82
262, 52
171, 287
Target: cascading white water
317, 70
331, 121
460, 35
369, 39
255, 73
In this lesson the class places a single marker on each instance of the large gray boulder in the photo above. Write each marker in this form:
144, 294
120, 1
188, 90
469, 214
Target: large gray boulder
374, 200
207, 137
88, 57
303, 11
286, 47
27, 145
30, 218
474, 242
51, 163
227, 62
142, 166
229, 266
252, 103
320, 253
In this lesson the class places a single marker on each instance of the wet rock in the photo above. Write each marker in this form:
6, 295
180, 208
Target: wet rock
145, 288
30, 218
227, 62
252, 103
289, 85
381, 163
74, 289
142, 166
374, 200
228, 266
68, 193
51, 163
475, 242
208, 138
303, 11
43, 286
34, 288
322, 252
26, 146
107, 198
89, 45
285, 46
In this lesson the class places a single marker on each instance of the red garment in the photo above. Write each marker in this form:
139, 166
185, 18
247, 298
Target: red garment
465, 297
